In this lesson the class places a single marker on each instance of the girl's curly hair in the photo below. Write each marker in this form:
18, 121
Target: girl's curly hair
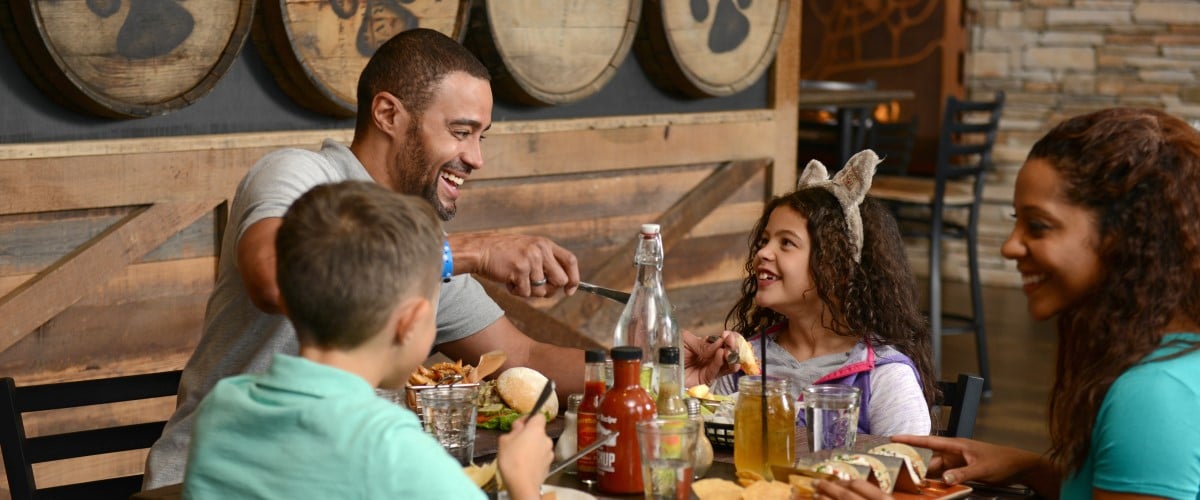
1138, 172
874, 299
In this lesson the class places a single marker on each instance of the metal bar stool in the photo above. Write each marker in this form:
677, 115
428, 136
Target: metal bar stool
964, 156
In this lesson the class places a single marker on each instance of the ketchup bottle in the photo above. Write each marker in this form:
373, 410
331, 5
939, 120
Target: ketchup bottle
618, 462
593, 393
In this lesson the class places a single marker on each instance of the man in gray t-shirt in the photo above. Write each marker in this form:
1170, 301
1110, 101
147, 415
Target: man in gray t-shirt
424, 104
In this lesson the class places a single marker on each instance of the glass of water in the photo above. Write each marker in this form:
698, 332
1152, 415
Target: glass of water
831, 416
449, 415
668, 453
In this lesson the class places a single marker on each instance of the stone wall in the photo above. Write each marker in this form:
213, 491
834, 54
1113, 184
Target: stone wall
1059, 58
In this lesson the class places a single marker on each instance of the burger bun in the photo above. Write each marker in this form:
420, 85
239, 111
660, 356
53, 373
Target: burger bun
520, 387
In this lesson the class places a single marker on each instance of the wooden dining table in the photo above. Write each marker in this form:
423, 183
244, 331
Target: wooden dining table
722, 467
486, 442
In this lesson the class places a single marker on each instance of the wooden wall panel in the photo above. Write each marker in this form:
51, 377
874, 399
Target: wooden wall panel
59, 196
34, 241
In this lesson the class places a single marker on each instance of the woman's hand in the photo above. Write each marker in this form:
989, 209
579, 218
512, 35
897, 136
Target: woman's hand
524, 457
959, 460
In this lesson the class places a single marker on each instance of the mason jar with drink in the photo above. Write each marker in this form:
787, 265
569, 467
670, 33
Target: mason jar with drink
763, 406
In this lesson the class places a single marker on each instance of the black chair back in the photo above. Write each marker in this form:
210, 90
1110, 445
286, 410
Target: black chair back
965, 143
21, 452
962, 398
893, 142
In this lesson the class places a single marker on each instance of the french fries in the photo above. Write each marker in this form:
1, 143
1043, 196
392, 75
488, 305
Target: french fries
440, 373
457, 372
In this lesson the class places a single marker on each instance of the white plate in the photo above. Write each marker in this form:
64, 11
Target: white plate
565, 493
562, 493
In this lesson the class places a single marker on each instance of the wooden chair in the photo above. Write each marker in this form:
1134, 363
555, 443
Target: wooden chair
962, 398
21, 452
834, 141
963, 159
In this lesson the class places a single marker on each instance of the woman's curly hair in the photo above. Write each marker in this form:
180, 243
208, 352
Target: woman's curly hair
875, 299
1138, 172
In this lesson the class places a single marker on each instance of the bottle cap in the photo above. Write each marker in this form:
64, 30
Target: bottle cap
594, 356
627, 353
668, 355
650, 229
693, 407
573, 402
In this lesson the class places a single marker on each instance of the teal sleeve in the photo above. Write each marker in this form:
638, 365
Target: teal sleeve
1147, 439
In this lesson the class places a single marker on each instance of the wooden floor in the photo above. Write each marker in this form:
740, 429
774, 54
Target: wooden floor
1021, 352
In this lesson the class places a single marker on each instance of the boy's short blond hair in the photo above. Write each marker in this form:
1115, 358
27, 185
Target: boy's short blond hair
348, 253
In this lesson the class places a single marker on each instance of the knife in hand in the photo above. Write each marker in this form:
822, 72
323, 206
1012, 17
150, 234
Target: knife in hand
607, 293
547, 390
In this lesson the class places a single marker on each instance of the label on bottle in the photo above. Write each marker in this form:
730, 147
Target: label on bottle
606, 456
618, 463
585, 435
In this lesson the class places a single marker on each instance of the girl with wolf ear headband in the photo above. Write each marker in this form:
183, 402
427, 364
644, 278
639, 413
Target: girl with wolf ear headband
829, 284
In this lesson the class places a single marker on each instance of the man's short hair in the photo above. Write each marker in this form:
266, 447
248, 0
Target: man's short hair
411, 66
348, 253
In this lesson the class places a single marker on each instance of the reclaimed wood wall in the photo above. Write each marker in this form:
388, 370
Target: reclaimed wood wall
108, 248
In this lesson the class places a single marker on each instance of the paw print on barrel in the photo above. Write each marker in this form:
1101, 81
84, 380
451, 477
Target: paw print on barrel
730, 26
381, 20
151, 29
709, 48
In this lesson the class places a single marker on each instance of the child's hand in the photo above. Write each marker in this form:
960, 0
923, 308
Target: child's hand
706, 359
524, 457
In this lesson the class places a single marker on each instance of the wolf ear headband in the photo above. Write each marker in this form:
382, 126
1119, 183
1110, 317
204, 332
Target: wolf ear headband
849, 186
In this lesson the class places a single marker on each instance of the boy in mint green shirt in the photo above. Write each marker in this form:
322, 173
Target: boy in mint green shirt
358, 268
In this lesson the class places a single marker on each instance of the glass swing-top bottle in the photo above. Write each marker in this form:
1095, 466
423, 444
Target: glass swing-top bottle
647, 320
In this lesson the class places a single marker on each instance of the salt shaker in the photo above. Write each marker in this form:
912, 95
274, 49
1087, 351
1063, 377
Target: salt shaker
566, 445
704, 447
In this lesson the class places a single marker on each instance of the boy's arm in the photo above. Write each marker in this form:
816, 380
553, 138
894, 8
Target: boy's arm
256, 264
563, 365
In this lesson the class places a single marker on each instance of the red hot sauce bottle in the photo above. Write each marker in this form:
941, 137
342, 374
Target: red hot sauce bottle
618, 462
594, 387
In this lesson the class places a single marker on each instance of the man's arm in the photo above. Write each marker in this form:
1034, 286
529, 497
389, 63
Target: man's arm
563, 365
517, 261
256, 264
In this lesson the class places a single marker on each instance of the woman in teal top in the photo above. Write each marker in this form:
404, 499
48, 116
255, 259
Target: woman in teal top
1107, 239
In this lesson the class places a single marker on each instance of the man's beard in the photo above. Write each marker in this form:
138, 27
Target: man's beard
412, 181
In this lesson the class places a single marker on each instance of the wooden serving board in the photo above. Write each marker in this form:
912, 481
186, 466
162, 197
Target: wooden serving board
935, 490
126, 58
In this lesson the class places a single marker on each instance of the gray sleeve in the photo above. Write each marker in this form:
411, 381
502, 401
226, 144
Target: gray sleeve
277, 180
725, 385
464, 308
897, 402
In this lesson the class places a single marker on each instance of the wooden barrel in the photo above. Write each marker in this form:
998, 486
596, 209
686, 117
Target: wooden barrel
546, 52
126, 58
317, 49
707, 48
